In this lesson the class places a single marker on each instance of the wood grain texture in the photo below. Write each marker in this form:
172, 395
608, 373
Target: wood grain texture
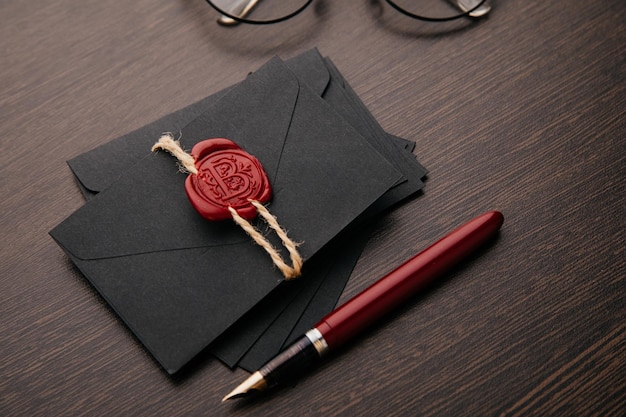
523, 112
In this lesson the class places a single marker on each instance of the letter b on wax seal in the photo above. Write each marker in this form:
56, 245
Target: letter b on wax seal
227, 177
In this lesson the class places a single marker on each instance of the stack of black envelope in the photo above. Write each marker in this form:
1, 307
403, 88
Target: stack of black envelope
186, 285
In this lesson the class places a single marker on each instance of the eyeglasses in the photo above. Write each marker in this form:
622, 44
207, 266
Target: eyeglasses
273, 11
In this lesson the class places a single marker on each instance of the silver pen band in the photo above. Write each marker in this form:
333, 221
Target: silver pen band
320, 345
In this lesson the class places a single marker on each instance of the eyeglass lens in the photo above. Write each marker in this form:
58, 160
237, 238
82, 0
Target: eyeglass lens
257, 11
440, 10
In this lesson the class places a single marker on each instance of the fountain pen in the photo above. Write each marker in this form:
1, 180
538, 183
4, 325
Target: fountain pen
370, 305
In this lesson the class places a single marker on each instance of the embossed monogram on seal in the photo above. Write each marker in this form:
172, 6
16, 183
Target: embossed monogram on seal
227, 177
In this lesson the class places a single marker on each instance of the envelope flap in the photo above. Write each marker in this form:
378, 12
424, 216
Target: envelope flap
146, 210
310, 66
324, 174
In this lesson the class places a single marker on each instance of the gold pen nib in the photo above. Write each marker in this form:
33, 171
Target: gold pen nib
255, 382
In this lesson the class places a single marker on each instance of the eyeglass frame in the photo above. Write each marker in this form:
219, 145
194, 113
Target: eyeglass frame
469, 12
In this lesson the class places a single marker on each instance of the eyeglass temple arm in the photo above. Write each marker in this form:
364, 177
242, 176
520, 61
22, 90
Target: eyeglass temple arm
239, 9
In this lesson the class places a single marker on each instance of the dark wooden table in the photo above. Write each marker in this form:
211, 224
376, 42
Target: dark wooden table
524, 112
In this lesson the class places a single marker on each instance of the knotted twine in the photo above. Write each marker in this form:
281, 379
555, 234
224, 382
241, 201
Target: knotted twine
187, 165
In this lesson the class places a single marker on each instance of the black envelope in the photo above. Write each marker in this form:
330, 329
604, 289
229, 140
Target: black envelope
293, 308
179, 281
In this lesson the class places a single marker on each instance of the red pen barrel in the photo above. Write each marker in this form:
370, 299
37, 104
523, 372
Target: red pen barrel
398, 286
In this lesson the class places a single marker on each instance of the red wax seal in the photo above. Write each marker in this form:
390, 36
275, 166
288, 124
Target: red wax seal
227, 177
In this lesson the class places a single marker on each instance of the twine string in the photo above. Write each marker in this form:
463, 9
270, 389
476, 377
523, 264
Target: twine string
187, 165
290, 245
288, 271
186, 161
